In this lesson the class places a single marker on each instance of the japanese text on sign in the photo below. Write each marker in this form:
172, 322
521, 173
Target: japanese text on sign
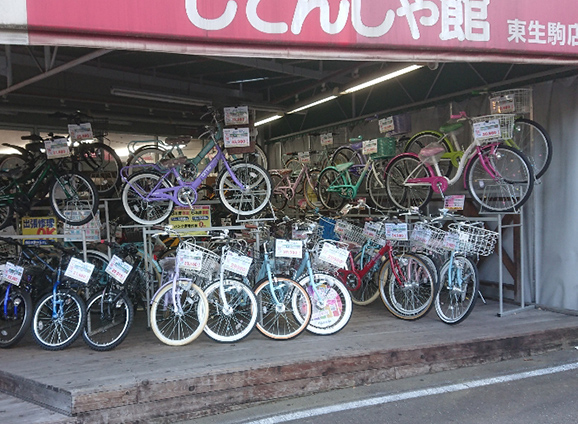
80, 132
334, 255
237, 264
57, 148
79, 270
189, 259
45, 225
289, 248
237, 137
118, 269
487, 129
236, 115
12, 273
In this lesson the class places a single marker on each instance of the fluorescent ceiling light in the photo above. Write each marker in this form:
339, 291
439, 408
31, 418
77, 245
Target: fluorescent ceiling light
383, 78
159, 97
315, 103
269, 119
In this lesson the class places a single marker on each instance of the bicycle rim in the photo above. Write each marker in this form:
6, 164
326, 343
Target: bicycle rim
235, 320
329, 199
108, 320
102, 165
406, 196
287, 317
256, 193
368, 292
144, 211
15, 314
74, 198
458, 290
534, 141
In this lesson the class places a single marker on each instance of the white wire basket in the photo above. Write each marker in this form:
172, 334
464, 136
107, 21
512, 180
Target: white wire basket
324, 266
428, 237
474, 239
350, 233
489, 128
518, 101
209, 261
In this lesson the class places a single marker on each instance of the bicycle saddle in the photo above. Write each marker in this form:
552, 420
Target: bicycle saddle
175, 141
431, 150
173, 162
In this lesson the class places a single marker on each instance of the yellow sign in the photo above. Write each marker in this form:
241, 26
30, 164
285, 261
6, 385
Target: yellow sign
199, 216
43, 225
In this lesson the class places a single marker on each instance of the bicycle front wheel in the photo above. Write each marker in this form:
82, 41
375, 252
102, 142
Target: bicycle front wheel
58, 319
136, 204
256, 192
232, 311
403, 195
278, 200
500, 178
425, 138
74, 198
407, 287
15, 314
331, 303
179, 316
284, 308
329, 178
377, 189
459, 286
310, 189
534, 141
102, 165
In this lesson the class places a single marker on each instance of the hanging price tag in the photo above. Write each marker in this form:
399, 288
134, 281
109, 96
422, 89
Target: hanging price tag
236, 137
189, 259
288, 249
455, 202
369, 147
334, 255
57, 148
80, 132
79, 270
118, 269
421, 235
304, 157
396, 231
386, 125
503, 104
487, 129
236, 115
326, 139
237, 264
12, 273
451, 241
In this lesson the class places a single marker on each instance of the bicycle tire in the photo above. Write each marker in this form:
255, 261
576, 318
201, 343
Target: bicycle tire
74, 198
15, 314
148, 155
412, 298
534, 141
454, 304
424, 138
174, 328
294, 164
331, 304
109, 317
7, 208
278, 200
377, 190
102, 165
257, 193
58, 332
514, 184
280, 321
369, 290
142, 211
327, 178
344, 154
15, 163
235, 322
310, 189
402, 195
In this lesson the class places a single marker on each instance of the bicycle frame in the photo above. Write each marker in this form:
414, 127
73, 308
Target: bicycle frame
43, 170
158, 193
287, 189
349, 187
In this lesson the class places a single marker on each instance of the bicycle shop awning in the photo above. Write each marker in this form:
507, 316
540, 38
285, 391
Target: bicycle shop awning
514, 31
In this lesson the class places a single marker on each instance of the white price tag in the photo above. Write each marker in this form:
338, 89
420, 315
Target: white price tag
236, 137
304, 157
12, 273
503, 104
455, 202
326, 139
396, 231
289, 249
189, 259
79, 270
118, 269
421, 235
80, 132
334, 255
369, 146
57, 148
236, 115
386, 125
238, 264
487, 129
450, 241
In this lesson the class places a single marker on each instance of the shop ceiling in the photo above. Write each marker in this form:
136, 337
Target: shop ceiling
166, 94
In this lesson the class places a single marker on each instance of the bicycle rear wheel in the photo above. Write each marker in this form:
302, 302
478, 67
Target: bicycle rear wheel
58, 320
403, 195
234, 320
459, 286
109, 316
256, 193
534, 141
102, 165
179, 318
142, 211
510, 186
377, 189
424, 138
310, 189
330, 199
331, 303
15, 314
278, 200
408, 293
368, 292
74, 198
278, 303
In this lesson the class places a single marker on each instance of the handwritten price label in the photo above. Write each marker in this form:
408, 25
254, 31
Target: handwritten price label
12, 273
237, 264
236, 115
57, 148
304, 157
118, 269
487, 129
289, 249
369, 146
503, 104
79, 270
188, 259
334, 255
396, 231
451, 241
421, 235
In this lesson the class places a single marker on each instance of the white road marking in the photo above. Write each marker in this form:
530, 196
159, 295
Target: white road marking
413, 394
